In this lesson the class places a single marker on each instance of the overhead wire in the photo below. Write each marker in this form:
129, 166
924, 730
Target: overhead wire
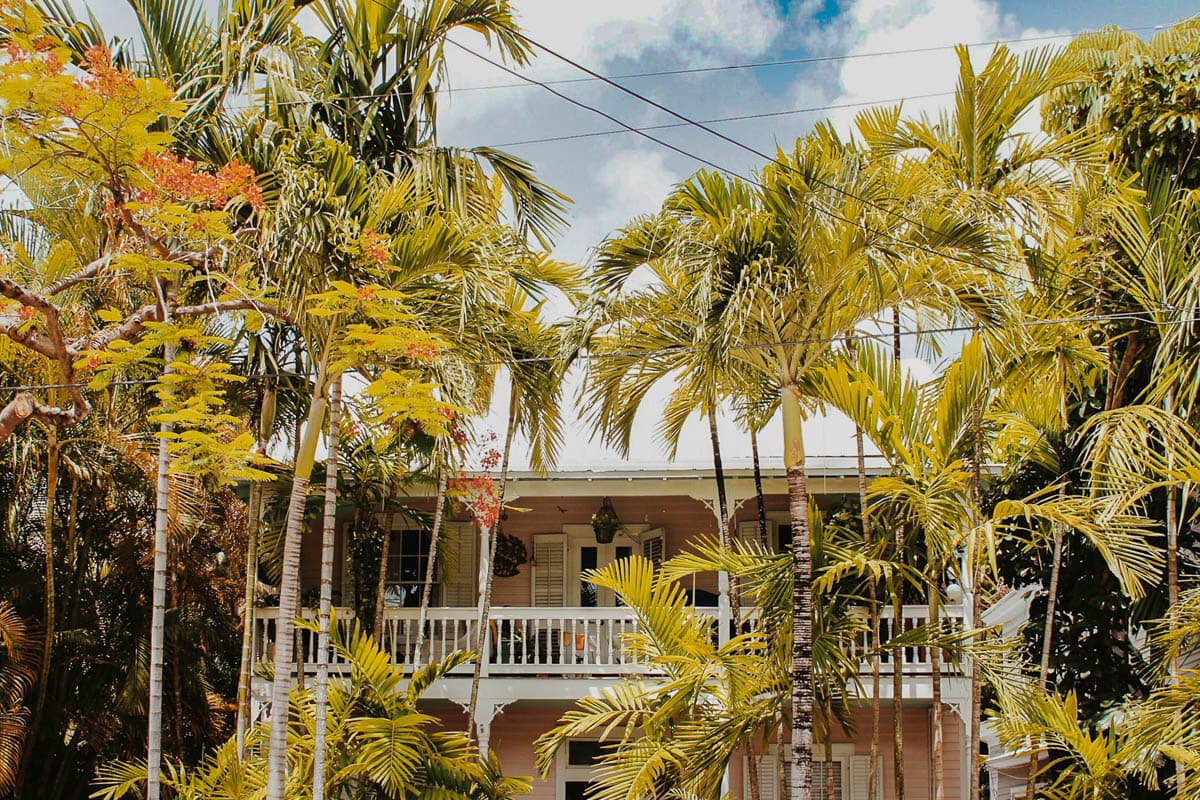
752, 181
688, 121
861, 336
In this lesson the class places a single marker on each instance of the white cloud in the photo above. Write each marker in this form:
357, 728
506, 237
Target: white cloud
886, 26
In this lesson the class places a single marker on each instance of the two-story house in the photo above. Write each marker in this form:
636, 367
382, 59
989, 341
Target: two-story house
554, 637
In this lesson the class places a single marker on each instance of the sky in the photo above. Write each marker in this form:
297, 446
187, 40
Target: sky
613, 178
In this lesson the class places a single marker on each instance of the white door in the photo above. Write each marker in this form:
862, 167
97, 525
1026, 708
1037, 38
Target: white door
584, 554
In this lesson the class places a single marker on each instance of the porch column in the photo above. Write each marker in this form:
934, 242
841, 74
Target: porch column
485, 712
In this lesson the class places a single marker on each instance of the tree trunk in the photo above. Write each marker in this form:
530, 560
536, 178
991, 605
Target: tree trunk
898, 619
976, 575
802, 677
830, 794
758, 491
752, 770
289, 593
730, 588
325, 611
381, 581
253, 512
266, 421
490, 538
872, 615
158, 604
43, 686
935, 676
431, 564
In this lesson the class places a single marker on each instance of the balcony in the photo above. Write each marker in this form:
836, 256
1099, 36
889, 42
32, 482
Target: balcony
568, 642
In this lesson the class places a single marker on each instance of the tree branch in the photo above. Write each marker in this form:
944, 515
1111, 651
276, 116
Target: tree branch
87, 273
24, 407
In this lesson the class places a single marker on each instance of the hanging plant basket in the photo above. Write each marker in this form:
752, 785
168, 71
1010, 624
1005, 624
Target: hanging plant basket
605, 522
510, 555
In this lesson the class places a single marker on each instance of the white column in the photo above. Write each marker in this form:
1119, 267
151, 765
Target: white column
485, 711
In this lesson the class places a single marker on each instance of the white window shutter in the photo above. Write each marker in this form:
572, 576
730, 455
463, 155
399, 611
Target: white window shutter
549, 572
768, 777
748, 532
653, 545
860, 776
456, 560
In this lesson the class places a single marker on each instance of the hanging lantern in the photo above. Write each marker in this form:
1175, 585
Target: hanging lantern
605, 522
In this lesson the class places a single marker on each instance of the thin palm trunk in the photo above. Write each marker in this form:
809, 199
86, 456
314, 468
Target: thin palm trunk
898, 620
802, 622
320, 723
490, 537
873, 617
830, 794
254, 511
435, 536
1055, 572
266, 422
158, 606
50, 600
752, 770
759, 499
976, 722
935, 676
381, 581
289, 592
723, 531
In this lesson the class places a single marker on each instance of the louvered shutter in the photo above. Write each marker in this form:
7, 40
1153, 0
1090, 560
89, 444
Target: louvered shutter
748, 532
549, 572
768, 777
860, 773
456, 559
653, 545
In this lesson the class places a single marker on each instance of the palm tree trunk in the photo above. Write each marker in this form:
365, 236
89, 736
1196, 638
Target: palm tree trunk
752, 770
935, 677
898, 620
435, 536
758, 491
254, 511
289, 592
158, 604
802, 631
491, 536
873, 617
381, 581
50, 599
723, 531
976, 723
829, 785
326, 609
266, 421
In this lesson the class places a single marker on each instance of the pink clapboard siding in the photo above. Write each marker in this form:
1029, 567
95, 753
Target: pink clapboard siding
519, 725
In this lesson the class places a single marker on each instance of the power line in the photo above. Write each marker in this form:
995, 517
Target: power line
723, 67
749, 149
1144, 316
736, 118
792, 61
707, 162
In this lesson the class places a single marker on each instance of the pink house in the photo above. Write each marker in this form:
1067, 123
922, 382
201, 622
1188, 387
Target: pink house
554, 637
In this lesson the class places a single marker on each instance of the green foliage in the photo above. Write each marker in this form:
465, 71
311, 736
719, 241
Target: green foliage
379, 744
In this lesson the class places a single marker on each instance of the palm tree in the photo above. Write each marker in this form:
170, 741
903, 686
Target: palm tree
797, 277
16, 675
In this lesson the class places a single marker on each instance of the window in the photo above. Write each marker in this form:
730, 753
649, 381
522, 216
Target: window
849, 774
408, 556
574, 772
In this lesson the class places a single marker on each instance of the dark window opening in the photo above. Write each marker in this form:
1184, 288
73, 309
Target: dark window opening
408, 557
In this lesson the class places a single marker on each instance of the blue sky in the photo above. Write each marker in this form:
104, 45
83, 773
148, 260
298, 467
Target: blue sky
614, 178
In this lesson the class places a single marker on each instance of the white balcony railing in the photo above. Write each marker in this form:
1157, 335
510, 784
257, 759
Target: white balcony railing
536, 641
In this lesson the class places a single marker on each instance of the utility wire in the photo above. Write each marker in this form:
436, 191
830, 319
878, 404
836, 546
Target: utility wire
749, 149
1144, 316
736, 118
727, 171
